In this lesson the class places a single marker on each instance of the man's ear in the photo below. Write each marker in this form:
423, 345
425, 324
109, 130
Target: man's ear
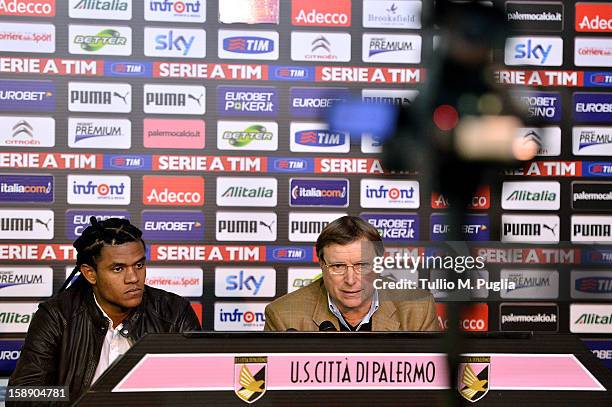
89, 273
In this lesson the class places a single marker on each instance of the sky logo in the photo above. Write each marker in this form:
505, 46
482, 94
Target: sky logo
291, 73
127, 162
174, 42
289, 253
544, 51
279, 164
26, 188
127, 69
319, 192
27, 96
173, 225
314, 102
237, 282
394, 227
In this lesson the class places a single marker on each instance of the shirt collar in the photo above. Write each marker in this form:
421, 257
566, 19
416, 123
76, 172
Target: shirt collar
373, 307
110, 321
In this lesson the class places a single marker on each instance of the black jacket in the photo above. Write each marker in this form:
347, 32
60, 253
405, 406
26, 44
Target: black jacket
65, 337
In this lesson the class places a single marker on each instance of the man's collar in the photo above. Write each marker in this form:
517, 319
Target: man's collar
334, 310
118, 328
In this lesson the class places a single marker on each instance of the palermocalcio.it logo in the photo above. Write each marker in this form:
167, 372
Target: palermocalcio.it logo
27, 8
321, 13
173, 191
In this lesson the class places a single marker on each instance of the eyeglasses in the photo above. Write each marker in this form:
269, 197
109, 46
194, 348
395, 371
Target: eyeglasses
340, 269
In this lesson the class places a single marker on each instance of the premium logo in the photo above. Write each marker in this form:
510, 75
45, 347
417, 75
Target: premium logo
476, 227
589, 51
247, 191
535, 16
249, 12
174, 42
540, 105
26, 188
99, 40
22, 37
172, 225
235, 44
594, 17
389, 96
99, 133
99, 97
78, 220
318, 46
101, 9
184, 11
27, 8
394, 227
593, 107
174, 99
306, 226
531, 195
183, 281
30, 131
26, 281
530, 284
592, 196
22, 95
314, 102
529, 317
129, 69
298, 277
291, 73
391, 48
391, 14
377, 193
240, 316
169, 133
260, 136
549, 139
238, 282
318, 192
15, 317
315, 137
541, 51
26, 224
99, 189
591, 318
172, 191
246, 226
247, 100
321, 13
591, 284
591, 229
592, 140
530, 228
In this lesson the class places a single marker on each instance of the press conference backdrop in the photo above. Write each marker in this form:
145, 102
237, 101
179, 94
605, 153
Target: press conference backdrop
200, 121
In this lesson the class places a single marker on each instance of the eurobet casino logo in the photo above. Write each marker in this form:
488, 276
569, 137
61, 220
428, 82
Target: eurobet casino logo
529, 317
298, 277
377, 193
174, 42
26, 188
602, 349
247, 191
15, 317
475, 227
535, 15
592, 196
99, 40
318, 192
172, 225
246, 226
591, 284
394, 227
172, 191
27, 131
10, 351
540, 51
593, 107
398, 97
531, 195
174, 99
310, 137
480, 200
321, 13
183, 281
183, 11
99, 97
391, 48
473, 318
594, 17
591, 229
530, 228
306, 226
530, 284
234, 44
239, 316
239, 135
26, 37
591, 318
549, 139
26, 281
247, 101
540, 105
314, 102
102, 10
320, 46
27, 8
245, 282
391, 14
171, 133
78, 220
99, 189
589, 51
26, 224
592, 141
87, 132
27, 96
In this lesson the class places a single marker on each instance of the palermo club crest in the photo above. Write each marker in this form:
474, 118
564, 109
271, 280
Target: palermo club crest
250, 376
473, 383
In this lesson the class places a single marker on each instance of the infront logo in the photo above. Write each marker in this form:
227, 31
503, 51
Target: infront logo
321, 13
172, 191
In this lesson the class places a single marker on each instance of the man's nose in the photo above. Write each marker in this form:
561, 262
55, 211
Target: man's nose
350, 276
131, 276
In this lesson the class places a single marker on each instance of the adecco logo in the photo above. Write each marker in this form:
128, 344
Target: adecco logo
172, 191
591, 318
15, 317
298, 277
321, 13
473, 318
594, 17
27, 8
183, 281
26, 224
26, 281
240, 316
245, 282
247, 191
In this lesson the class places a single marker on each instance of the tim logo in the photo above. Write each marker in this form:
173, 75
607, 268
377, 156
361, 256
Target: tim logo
288, 253
320, 138
291, 164
127, 162
594, 285
598, 169
598, 79
127, 69
248, 45
292, 73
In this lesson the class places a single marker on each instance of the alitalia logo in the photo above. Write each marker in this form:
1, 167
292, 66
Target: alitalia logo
106, 5
524, 195
96, 42
243, 192
15, 318
244, 138
594, 319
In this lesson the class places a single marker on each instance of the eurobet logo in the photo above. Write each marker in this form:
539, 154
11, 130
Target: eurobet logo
10, 351
26, 188
591, 318
318, 192
591, 284
473, 318
541, 51
377, 193
321, 13
99, 189
241, 282
593, 107
172, 225
184, 11
475, 228
78, 220
394, 227
27, 96
594, 17
183, 281
27, 8
299, 277
247, 191
237, 135
26, 281
240, 316
314, 102
16, 317
311, 137
172, 191
171, 133
235, 44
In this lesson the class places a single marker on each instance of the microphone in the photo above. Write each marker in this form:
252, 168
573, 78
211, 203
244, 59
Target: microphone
291, 330
327, 326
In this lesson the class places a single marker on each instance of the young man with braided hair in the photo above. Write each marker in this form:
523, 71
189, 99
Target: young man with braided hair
79, 332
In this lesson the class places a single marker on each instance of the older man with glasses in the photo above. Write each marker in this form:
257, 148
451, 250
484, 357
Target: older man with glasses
345, 298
